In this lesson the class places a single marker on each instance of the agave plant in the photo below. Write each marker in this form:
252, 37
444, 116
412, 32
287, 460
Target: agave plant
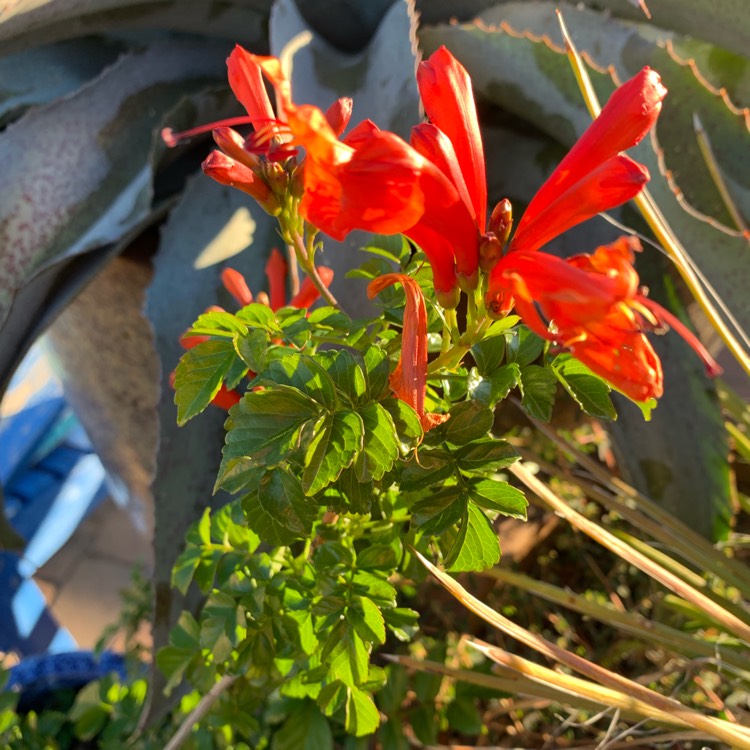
97, 215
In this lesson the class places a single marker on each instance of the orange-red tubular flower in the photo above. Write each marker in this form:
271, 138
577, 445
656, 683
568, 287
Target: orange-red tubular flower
454, 144
595, 176
408, 381
370, 179
591, 304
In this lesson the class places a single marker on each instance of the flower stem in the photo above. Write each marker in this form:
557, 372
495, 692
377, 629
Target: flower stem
305, 258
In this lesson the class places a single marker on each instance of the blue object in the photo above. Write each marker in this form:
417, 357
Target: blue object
39, 676
52, 480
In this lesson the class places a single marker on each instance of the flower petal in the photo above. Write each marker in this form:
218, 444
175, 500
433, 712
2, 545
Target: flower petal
339, 114
611, 184
276, 274
234, 282
227, 171
445, 88
246, 80
308, 292
628, 115
376, 187
409, 379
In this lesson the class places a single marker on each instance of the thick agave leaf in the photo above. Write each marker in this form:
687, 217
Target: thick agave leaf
77, 173
721, 68
534, 82
725, 24
30, 23
347, 25
209, 226
37, 76
380, 80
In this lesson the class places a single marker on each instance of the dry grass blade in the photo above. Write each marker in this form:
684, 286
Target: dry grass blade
576, 687
642, 512
730, 621
735, 736
508, 681
629, 622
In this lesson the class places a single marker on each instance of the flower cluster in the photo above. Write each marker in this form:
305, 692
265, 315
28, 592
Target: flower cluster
433, 190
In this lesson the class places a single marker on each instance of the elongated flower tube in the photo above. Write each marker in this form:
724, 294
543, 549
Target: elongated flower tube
592, 306
452, 141
408, 381
595, 176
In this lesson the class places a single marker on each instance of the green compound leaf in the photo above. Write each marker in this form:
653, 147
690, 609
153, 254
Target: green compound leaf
222, 625
305, 374
216, 323
439, 511
495, 387
264, 427
377, 369
469, 420
347, 375
336, 442
488, 354
589, 391
365, 617
491, 494
430, 468
538, 385
295, 325
199, 375
485, 455
305, 729
362, 717
523, 346
348, 655
407, 422
279, 512
251, 348
259, 316
476, 546
380, 443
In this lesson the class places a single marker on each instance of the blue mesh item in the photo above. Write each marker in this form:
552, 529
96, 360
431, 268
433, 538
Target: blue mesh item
39, 676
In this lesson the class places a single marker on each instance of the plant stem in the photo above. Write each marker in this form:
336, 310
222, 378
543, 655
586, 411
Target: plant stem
293, 268
203, 707
308, 266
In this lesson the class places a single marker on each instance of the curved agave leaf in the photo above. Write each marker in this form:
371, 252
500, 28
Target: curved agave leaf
380, 80
725, 24
628, 47
31, 23
531, 79
347, 25
37, 76
77, 173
